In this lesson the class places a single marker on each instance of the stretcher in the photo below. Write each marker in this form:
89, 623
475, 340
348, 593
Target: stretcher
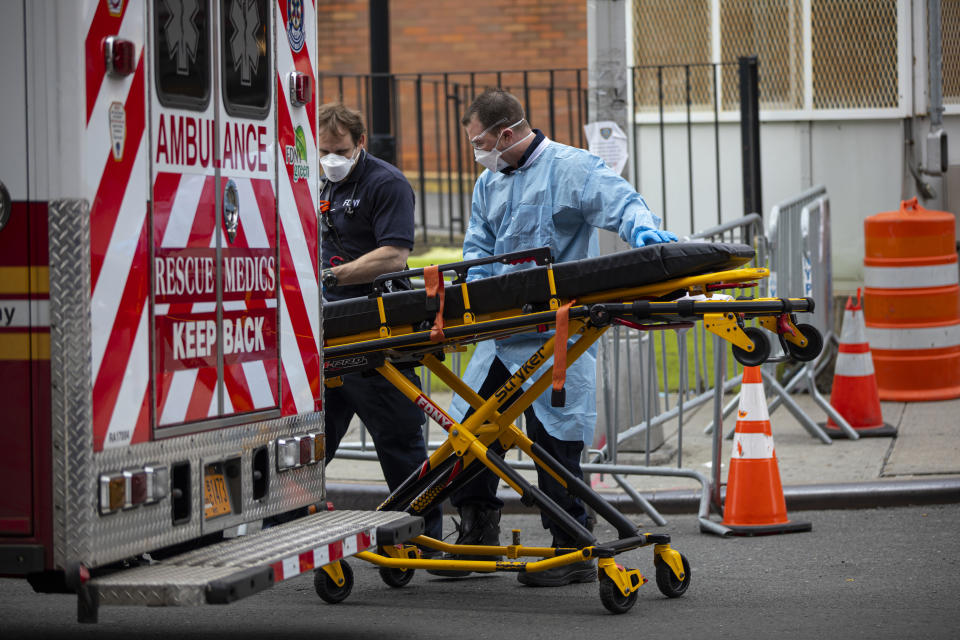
657, 287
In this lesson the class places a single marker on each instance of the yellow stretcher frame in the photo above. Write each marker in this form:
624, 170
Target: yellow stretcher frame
468, 443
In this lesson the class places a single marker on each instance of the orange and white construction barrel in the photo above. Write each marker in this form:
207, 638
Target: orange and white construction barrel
912, 303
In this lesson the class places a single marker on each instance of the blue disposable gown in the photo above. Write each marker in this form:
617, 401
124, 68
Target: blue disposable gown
559, 199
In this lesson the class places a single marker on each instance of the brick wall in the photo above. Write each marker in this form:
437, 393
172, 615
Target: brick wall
460, 37
453, 35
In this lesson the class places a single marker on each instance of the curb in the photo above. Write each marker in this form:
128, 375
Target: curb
853, 495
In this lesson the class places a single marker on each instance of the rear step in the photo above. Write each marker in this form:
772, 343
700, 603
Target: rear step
227, 571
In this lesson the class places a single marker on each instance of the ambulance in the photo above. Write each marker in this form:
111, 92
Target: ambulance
160, 314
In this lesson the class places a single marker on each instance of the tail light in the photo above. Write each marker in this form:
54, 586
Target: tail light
301, 89
120, 56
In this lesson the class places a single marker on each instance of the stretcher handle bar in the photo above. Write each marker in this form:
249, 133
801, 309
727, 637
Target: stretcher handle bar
420, 337
540, 255
692, 308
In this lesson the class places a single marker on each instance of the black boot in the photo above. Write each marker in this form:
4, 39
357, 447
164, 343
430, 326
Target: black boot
585, 571
479, 525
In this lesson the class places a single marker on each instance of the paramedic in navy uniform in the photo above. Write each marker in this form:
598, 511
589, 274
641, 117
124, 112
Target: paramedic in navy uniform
536, 192
368, 231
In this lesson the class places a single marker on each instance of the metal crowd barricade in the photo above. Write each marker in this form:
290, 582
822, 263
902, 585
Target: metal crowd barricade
798, 246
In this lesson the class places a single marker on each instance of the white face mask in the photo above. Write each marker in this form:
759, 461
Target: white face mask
492, 159
335, 167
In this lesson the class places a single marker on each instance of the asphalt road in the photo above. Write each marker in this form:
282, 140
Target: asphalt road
878, 573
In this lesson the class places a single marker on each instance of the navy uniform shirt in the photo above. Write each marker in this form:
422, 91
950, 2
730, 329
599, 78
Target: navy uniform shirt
370, 208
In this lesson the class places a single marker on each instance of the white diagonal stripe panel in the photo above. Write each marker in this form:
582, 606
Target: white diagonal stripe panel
854, 364
925, 338
752, 446
753, 402
105, 301
259, 384
136, 377
937, 275
293, 364
178, 396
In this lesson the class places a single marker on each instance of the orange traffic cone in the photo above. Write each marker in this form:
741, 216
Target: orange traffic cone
854, 394
754, 503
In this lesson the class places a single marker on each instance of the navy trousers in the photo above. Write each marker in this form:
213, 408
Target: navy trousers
483, 488
395, 424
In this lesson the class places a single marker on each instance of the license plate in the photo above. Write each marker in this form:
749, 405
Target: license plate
216, 501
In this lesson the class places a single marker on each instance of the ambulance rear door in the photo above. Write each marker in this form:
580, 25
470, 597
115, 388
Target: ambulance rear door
214, 214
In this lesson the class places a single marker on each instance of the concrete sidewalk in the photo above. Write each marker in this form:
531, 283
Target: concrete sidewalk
920, 465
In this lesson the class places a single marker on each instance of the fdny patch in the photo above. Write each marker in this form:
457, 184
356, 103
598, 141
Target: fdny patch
295, 24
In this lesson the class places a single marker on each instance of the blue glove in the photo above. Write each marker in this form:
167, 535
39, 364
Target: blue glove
642, 236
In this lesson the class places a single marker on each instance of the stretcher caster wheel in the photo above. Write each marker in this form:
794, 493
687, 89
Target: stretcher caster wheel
814, 344
612, 598
761, 348
328, 589
396, 577
667, 582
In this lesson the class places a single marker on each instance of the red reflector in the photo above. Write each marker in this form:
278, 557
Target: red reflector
119, 56
301, 89
306, 449
138, 487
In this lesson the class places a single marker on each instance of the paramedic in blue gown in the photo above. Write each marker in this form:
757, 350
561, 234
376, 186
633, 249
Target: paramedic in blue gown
368, 231
536, 192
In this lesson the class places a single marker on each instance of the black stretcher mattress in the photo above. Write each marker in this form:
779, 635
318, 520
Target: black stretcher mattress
514, 290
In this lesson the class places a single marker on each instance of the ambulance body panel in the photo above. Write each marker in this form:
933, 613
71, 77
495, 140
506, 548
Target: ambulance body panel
160, 314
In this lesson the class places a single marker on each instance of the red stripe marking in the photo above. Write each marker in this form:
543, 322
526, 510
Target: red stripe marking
205, 219
114, 179
287, 405
293, 301
235, 381
336, 550
164, 192
278, 572
300, 188
363, 540
141, 430
103, 25
301, 62
859, 347
202, 397
106, 387
754, 426
267, 205
166, 187
306, 561
236, 387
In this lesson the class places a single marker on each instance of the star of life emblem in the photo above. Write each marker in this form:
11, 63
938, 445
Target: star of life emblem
182, 33
295, 25
243, 43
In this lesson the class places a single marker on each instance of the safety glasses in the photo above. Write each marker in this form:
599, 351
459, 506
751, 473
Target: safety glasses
475, 141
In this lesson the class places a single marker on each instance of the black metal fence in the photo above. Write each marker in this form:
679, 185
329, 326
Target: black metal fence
697, 108
673, 100
431, 148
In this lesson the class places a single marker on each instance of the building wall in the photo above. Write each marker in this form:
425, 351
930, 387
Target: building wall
452, 35
459, 39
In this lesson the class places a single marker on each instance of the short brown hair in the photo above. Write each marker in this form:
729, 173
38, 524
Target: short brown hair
335, 117
494, 107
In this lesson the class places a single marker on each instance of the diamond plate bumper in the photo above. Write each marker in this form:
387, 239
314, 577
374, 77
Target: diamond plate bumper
230, 570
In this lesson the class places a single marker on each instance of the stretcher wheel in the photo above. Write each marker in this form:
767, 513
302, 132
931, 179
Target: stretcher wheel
396, 577
667, 582
329, 590
814, 344
612, 598
761, 350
